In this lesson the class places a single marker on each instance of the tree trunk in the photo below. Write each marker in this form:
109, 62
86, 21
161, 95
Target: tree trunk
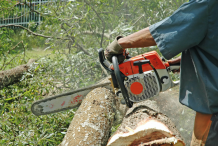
13, 75
144, 125
93, 120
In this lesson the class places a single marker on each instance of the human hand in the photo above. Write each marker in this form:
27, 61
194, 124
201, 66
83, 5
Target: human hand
114, 49
175, 62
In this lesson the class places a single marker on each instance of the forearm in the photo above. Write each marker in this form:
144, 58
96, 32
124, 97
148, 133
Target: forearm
142, 38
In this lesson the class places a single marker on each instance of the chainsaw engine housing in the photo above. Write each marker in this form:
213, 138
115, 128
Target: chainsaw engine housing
144, 76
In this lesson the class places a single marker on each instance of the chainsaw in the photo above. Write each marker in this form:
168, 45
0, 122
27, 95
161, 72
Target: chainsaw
136, 79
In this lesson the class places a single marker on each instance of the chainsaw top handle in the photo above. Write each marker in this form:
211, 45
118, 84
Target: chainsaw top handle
117, 76
120, 80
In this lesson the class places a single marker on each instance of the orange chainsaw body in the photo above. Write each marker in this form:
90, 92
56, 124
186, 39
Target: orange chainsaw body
127, 67
144, 80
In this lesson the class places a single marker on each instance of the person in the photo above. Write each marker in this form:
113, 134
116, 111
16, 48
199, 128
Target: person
193, 31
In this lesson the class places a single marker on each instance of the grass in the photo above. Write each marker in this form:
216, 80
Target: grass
21, 58
18, 126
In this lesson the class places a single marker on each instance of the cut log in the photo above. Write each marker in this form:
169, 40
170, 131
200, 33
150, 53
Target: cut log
144, 125
93, 120
182, 116
13, 75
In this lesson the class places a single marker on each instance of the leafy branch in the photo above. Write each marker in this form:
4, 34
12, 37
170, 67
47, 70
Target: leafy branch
73, 41
15, 17
4, 65
102, 21
33, 33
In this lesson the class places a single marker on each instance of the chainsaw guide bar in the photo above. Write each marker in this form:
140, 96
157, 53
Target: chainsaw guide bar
64, 101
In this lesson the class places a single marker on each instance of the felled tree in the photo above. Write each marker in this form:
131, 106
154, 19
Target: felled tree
143, 124
13, 75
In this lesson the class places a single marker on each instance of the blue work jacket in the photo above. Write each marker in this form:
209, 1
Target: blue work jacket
193, 30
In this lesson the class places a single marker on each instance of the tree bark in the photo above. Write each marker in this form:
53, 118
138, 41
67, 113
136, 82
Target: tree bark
13, 75
144, 125
93, 120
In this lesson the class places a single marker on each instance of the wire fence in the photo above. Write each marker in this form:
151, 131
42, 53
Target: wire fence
23, 13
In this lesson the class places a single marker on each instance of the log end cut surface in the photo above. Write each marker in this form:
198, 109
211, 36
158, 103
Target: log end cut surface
144, 125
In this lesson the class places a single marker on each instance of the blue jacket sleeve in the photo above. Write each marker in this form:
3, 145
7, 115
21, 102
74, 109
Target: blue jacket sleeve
185, 28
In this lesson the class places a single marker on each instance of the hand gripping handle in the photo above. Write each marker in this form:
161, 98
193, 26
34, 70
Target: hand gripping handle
173, 67
104, 62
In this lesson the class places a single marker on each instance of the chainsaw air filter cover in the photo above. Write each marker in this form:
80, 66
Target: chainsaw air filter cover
142, 86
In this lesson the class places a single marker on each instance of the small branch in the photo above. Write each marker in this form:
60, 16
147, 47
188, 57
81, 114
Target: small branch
33, 33
103, 23
24, 49
72, 39
13, 47
81, 48
4, 62
15, 17
104, 70
95, 33
138, 19
9, 9
25, 3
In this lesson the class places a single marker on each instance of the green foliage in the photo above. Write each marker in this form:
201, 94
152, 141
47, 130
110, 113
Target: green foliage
6, 8
18, 125
72, 62
114, 128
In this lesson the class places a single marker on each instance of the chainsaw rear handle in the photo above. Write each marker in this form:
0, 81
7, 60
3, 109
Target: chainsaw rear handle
172, 67
120, 81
